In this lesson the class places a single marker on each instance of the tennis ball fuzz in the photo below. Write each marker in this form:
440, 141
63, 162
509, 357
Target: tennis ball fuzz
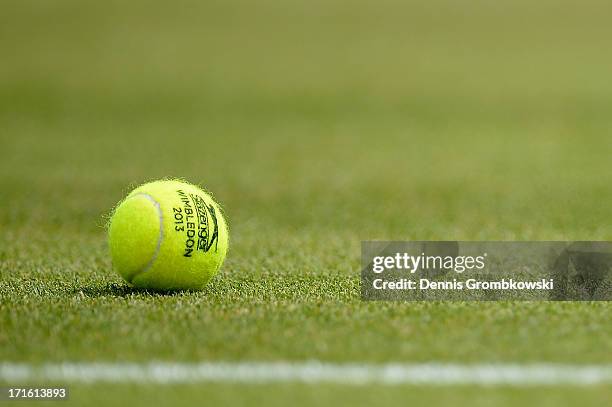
168, 235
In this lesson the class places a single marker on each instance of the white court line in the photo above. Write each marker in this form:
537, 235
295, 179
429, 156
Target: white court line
312, 372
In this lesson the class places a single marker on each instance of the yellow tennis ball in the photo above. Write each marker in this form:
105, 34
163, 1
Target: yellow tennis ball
168, 235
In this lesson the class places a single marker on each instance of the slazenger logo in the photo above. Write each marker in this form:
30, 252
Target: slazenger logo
208, 229
198, 221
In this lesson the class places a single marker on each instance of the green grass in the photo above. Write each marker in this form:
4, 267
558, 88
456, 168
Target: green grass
316, 125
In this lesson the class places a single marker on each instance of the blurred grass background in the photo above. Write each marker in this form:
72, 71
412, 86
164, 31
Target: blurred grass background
317, 124
400, 120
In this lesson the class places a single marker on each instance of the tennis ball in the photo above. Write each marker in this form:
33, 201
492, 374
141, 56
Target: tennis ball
168, 235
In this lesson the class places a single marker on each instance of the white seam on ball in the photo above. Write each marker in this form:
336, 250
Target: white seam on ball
160, 236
